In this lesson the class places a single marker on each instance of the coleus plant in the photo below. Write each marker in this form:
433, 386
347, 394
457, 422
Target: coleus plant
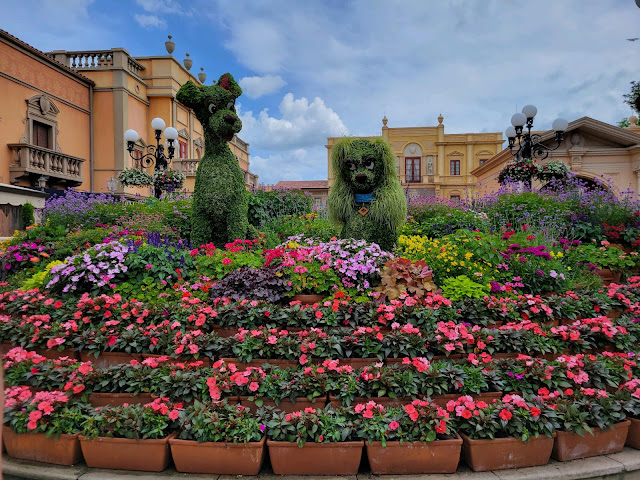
402, 277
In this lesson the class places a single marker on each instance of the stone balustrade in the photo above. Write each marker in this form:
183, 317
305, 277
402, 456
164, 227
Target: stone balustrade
116, 58
33, 160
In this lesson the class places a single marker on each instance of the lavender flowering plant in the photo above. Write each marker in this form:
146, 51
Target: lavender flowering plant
91, 270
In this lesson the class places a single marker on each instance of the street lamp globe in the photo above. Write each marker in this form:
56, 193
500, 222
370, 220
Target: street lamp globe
529, 111
131, 136
559, 125
518, 119
157, 124
510, 132
171, 133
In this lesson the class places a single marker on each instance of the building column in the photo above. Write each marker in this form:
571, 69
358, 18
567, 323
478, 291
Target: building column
440, 161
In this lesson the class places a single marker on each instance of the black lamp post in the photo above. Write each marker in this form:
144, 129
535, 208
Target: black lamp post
155, 153
528, 145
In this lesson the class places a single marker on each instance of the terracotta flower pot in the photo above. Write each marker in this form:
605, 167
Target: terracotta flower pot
107, 359
571, 446
65, 450
633, 438
218, 457
54, 354
357, 363
225, 332
616, 313
285, 405
341, 458
126, 454
435, 358
384, 401
119, 399
440, 456
488, 397
307, 299
504, 453
609, 276
258, 362
5, 346
206, 362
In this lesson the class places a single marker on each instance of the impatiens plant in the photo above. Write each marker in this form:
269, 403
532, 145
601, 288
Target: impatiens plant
220, 422
419, 421
50, 413
22, 256
154, 420
511, 416
580, 411
312, 425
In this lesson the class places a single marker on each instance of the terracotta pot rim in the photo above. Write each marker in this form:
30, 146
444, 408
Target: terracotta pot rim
120, 394
278, 443
194, 443
397, 444
616, 426
503, 439
62, 436
298, 399
132, 441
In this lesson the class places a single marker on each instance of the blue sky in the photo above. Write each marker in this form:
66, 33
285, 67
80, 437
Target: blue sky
312, 69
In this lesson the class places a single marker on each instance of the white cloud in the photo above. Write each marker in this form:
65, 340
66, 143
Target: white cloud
301, 125
149, 21
160, 6
298, 164
260, 46
254, 87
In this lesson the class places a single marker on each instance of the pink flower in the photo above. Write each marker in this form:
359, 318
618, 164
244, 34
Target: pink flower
226, 261
394, 425
174, 414
253, 386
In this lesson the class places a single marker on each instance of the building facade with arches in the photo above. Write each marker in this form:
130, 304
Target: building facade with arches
431, 162
592, 150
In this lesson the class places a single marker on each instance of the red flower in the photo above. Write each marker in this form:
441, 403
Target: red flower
111, 340
505, 415
535, 412
58, 304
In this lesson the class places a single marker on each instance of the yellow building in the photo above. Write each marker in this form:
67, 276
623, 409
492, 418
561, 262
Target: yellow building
64, 115
432, 163
591, 149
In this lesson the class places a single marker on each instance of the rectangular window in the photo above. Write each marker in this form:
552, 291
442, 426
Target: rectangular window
41, 135
483, 161
183, 149
455, 198
137, 155
412, 169
455, 167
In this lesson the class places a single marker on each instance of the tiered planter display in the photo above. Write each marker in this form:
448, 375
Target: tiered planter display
286, 405
64, 450
126, 454
440, 456
571, 446
218, 458
342, 458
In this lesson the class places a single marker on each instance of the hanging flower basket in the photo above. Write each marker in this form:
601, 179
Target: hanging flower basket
168, 180
518, 171
133, 177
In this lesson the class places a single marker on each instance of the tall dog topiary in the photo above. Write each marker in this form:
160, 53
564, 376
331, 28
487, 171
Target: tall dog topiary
219, 200
366, 197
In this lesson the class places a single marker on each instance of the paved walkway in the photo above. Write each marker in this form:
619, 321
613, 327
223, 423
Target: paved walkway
619, 466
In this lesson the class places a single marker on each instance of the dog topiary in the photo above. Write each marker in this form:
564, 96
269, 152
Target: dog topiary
219, 200
366, 198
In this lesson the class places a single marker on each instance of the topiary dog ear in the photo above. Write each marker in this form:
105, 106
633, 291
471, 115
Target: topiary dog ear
189, 95
227, 82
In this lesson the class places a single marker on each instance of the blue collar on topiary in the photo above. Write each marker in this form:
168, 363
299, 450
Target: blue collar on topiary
364, 197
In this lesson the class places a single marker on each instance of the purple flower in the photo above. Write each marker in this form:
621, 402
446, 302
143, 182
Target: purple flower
262, 428
553, 274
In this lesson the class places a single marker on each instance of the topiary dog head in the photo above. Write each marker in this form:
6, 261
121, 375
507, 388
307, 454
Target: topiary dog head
214, 105
363, 165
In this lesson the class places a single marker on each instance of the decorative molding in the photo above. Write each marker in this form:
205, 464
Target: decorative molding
198, 142
40, 108
455, 153
485, 152
183, 132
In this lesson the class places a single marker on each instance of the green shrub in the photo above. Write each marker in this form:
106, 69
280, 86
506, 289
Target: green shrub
267, 206
461, 287
27, 215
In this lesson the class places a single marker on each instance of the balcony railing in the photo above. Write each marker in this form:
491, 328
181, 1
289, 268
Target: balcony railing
189, 166
32, 160
98, 60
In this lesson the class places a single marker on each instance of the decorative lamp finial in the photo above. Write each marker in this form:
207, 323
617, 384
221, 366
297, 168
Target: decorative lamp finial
440, 119
384, 121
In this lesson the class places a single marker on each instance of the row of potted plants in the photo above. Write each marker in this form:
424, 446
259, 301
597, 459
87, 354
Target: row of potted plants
417, 437
331, 381
339, 310
115, 343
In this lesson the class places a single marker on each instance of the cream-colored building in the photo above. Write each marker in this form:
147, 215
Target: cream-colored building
431, 162
591, 149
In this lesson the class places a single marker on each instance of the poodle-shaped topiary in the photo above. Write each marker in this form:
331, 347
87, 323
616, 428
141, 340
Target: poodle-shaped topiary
366, 197
220, 200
